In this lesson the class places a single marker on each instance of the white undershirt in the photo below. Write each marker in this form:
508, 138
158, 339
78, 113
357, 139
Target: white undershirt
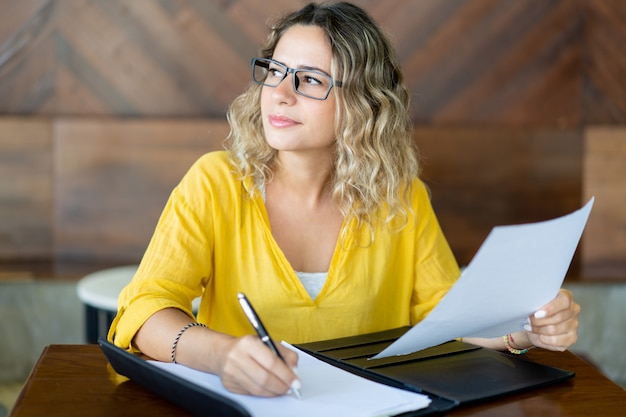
312, 281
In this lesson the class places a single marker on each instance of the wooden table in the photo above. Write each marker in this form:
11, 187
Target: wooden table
76, 380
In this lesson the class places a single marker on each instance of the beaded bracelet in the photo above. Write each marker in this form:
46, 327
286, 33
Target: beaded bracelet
180, 333
510, 348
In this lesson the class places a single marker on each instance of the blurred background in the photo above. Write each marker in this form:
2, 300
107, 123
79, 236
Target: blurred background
519, 111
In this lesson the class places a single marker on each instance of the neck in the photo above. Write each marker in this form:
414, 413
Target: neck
308, 179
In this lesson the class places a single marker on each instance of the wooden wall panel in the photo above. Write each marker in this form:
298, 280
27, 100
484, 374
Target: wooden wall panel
502, 94
604, 240
15, 17
486, 177
512, 63
112, 179
27, 57
604, 98
475, 61
25, 188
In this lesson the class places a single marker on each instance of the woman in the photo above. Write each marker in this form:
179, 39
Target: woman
315, 212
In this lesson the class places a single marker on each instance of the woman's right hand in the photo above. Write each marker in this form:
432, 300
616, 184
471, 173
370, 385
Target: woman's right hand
244, 364
248, 366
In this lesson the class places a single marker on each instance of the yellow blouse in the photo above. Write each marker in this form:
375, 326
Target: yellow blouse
214, 241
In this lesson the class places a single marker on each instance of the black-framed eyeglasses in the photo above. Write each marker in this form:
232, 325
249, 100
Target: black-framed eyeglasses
307, 82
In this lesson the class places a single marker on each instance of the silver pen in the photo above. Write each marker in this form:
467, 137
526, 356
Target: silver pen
254, 319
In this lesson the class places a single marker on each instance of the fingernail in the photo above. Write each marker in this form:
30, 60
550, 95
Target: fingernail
295, 389
296, 385
527, 327
539, 314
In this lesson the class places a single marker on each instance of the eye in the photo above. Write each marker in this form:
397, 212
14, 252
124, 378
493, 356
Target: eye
314, 79
275, 72
309, 79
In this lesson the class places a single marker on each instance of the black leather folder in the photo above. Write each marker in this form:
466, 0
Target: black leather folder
451, 374
192, 397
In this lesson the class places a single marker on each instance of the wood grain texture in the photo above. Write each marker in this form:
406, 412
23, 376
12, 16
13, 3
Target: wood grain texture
27, 57
502, 93
604, 240
76, 380
486, 177
604, 72
492, 61
476, 61
112, 179
25, 188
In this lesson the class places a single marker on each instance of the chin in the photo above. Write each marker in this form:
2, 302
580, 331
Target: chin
281, 143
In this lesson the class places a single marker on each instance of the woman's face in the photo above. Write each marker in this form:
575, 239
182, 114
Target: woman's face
292, 122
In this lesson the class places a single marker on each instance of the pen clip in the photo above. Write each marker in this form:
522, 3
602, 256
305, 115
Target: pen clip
249, 311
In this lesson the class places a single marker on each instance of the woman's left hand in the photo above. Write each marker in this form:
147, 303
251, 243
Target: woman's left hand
555, 325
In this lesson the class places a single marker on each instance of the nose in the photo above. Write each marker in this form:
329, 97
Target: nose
285, 90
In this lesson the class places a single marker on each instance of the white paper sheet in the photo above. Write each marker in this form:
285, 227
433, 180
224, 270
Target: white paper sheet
517, 270
326, 391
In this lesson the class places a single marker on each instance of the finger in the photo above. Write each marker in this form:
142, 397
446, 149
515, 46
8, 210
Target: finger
558, 342
562, 318
563, 322
557, 336
290, 356
563, 327
276, 368
253, 369
561, 302
562, 308
291, 359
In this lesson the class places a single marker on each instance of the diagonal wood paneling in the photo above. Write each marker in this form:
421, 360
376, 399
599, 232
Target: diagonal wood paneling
143, 59
515, 63
604, 99
476, 61
27, 57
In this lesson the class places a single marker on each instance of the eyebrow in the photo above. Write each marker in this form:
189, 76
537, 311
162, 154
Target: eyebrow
304, 67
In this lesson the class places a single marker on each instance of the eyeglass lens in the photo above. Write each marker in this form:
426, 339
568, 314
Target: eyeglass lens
310, 83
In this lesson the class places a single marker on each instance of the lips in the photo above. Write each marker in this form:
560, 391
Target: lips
281, 121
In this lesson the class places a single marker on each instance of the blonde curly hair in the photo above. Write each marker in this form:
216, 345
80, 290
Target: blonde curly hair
376, 158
